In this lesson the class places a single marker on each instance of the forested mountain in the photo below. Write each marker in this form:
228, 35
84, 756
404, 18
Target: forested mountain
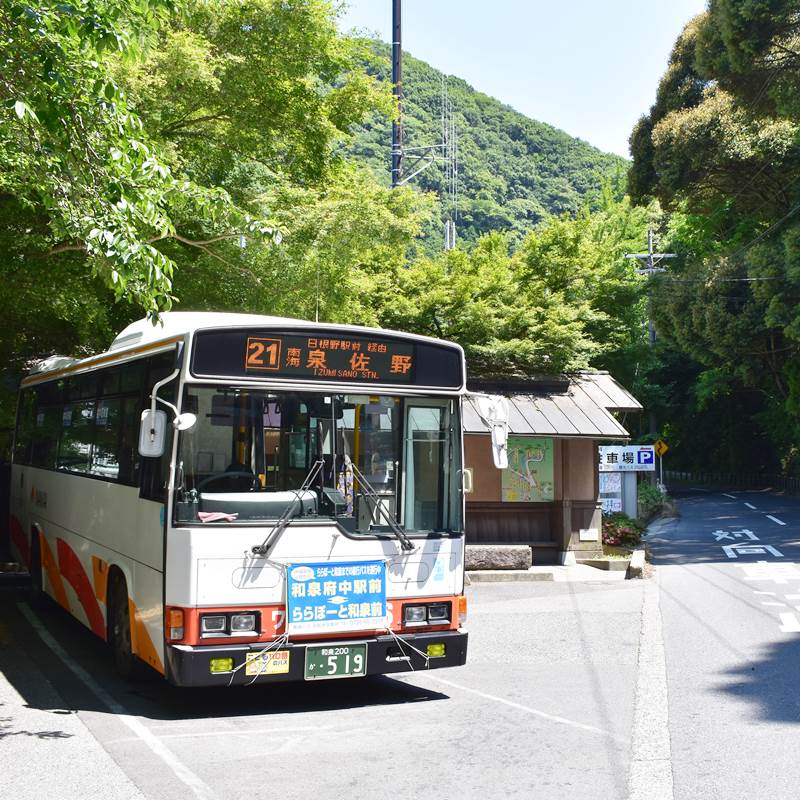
513, 170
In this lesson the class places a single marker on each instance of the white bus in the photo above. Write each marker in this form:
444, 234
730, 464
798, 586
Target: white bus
234, 498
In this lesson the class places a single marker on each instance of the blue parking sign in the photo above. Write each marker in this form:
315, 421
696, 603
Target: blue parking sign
336, 596
645, 456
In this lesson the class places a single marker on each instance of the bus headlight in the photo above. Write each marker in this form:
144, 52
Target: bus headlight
213, 623
243, 623
439, 614
414, 615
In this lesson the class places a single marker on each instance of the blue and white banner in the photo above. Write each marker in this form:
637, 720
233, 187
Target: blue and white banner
336, 596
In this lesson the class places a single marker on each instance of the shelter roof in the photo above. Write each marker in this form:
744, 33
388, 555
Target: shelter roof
577, 406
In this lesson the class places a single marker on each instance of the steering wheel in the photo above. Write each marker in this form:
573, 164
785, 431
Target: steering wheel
234, 473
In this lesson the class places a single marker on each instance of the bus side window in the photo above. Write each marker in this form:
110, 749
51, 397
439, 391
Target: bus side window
26, 419
155, 471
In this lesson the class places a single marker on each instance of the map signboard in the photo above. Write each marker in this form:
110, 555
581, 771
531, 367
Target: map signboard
529, 477
336, 596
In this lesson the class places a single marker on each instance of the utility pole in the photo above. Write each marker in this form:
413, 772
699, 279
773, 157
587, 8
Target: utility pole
397, 91
651, 261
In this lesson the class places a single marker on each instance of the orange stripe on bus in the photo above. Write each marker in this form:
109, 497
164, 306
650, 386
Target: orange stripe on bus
141, 642
72, 569
98, 360
273, 622
53, 575
100, 575
20, 540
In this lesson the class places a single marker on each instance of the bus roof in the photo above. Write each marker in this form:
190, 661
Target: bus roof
172, 326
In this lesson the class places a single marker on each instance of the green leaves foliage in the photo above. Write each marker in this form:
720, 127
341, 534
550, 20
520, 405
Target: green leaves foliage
75, 151
721, 150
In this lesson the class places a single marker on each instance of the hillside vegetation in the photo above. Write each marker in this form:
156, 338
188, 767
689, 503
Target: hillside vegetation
514, 171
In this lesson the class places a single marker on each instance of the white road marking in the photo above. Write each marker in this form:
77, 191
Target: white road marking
750, 505
746, 549
780, 572
793, 596
261, 732
527, 709
789, 622
728, 495
763, 603
650, 776
772, 594
198, 787
775, 519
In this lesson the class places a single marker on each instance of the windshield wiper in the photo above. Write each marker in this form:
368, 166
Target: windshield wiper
379, 507
272, 537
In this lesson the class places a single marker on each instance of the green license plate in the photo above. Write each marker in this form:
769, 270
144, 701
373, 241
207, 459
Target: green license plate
336, 661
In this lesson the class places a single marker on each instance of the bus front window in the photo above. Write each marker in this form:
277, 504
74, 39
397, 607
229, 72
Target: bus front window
371, 459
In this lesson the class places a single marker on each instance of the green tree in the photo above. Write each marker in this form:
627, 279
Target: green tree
75, 155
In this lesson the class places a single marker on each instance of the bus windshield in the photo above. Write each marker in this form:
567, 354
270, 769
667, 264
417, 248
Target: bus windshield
368, 461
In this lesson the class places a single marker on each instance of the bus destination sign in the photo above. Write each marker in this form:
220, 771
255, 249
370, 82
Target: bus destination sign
342, 358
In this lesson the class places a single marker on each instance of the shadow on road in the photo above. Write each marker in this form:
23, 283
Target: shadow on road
770, 683
154, 698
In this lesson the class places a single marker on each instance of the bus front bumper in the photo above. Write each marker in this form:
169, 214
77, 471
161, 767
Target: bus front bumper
192, 665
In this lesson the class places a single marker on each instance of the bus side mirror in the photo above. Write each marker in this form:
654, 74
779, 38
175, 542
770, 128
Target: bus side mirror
493, 409
152, 433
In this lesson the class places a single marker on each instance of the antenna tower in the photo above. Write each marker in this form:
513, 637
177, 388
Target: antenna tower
445, 152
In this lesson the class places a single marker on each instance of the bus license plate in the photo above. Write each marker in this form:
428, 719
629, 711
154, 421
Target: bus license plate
336, 661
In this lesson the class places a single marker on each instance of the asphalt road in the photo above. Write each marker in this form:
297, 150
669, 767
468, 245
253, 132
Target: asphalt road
731, 632
543, 709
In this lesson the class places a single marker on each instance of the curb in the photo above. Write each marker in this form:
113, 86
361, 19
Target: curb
507, 576
636, 567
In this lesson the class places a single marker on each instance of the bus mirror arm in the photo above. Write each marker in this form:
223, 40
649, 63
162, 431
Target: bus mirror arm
181, 422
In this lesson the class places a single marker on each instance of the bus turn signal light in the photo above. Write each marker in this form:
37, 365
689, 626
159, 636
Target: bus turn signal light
462, 609
175, 623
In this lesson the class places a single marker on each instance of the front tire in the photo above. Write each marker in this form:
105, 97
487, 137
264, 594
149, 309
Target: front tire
119, 630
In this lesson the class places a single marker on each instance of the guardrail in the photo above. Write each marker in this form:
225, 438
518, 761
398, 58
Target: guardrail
732, 480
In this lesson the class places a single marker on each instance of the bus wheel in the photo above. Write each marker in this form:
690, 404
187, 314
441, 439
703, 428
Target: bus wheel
119, 629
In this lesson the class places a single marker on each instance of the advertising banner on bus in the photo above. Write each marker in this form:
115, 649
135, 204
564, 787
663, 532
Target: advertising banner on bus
336, 596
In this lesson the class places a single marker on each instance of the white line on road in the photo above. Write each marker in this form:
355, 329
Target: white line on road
771, 594
789, 622
527, 709
729, 495
763, 603
650, 776
263, 733
792, 596
775, 519
750, 505
197, 786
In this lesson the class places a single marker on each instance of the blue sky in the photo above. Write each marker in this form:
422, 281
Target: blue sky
590, 68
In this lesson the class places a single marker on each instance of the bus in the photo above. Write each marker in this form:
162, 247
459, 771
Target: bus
237, 499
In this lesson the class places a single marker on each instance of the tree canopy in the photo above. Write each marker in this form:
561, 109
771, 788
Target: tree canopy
721, 150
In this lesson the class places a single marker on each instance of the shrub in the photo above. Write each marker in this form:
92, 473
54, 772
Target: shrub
619, 530
651, 500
